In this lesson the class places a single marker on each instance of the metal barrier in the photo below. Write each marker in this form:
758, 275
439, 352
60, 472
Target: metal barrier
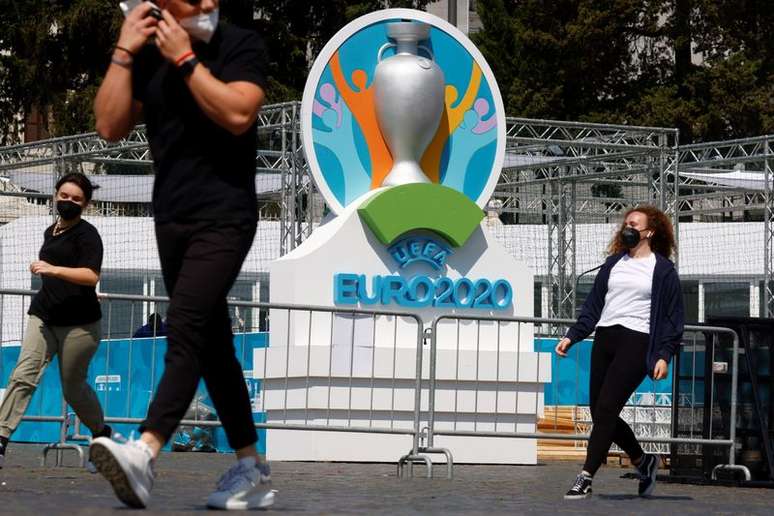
506, 347
296, 388
346, 351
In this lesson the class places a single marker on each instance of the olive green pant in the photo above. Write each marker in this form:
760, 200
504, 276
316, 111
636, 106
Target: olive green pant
75, 346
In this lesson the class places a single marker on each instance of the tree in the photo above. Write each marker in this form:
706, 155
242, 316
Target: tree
703, 66
297, 30
54, 53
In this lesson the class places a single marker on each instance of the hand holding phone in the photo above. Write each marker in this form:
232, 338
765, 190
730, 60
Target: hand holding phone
139, 25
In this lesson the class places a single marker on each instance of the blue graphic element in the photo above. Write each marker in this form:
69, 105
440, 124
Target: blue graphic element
334, 173
570, 376
422, 291
413, 250
471, 178
353, 180
124, 374
476, 177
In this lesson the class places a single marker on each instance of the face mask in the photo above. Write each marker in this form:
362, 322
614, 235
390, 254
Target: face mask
68, 210
630, 237
201, 26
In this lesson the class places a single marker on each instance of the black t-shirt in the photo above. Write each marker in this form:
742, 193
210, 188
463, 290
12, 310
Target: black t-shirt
203, 172
59, 302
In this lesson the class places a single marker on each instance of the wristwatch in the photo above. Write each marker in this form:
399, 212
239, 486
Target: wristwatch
187, 67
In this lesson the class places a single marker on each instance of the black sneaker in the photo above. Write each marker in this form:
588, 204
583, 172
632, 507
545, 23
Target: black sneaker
648, 468
3, 445
105, 432
580, 489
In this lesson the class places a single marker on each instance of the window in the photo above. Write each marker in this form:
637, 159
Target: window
582, 292
121, 318
538, 299
726, 299
762, 312
691, 300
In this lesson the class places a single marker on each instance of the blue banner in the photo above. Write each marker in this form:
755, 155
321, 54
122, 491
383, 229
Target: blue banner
124, 374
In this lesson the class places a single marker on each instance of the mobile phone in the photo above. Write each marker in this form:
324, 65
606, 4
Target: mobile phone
156, 13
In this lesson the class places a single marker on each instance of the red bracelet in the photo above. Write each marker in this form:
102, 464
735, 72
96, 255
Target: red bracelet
183, 57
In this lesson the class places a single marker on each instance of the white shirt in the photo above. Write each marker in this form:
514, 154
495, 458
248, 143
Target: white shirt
627, 301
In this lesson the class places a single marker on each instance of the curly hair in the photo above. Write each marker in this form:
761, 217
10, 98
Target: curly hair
663, 239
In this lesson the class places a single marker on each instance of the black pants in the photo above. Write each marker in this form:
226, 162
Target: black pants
200, 262
617, 369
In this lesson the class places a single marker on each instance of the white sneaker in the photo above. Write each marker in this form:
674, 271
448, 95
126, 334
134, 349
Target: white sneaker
90, 467
128, 467
243, 487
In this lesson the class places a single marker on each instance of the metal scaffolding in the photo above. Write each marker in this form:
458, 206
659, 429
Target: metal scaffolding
556, 173
564, 173
702, 197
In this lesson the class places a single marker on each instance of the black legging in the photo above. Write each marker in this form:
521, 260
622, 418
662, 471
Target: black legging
617, 369
200, 262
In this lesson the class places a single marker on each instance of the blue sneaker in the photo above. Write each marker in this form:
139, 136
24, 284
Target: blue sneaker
243, 487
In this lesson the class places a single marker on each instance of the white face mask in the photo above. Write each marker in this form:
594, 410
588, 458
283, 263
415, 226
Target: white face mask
201, 26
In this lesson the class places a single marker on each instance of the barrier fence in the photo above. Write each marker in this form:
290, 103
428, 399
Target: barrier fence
501, 376
384, 372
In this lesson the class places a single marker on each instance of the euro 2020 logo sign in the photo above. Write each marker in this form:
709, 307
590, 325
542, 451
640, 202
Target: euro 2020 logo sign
350, 140
401, 102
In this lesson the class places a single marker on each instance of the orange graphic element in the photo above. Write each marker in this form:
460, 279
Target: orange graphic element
361, 104
450, 120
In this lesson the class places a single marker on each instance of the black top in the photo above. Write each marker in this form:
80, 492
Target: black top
59, 302
203, 172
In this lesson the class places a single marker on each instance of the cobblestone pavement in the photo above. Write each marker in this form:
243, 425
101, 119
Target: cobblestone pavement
184, 480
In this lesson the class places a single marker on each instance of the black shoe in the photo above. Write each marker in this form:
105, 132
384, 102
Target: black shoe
3, 446
105, 432
580, 489
648, 468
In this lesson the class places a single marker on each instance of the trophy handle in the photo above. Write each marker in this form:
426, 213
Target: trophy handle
381, 51
429, 52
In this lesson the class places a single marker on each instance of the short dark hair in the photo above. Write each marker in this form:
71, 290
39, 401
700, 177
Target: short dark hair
79, 180
155, 321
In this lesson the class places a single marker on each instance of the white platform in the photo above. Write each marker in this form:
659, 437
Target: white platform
339, 370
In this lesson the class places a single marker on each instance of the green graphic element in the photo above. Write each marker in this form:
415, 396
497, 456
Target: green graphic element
433, 207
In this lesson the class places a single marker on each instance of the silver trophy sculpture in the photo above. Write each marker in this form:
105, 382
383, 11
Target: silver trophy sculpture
409, 100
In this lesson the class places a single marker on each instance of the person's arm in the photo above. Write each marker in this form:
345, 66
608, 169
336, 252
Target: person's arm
232, 105
674, 318
588, 319
77, 275
590, 312
115, 110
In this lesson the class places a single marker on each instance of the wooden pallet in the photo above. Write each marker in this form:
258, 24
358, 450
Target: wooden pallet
564, 420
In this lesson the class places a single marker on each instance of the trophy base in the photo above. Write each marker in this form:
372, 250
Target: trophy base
405, 172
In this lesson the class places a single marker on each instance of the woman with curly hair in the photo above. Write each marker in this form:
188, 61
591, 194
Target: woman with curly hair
636, 311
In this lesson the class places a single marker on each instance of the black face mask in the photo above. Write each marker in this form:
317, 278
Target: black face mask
630, 237
68, 210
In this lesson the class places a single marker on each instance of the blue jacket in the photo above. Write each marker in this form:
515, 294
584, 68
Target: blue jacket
667, 315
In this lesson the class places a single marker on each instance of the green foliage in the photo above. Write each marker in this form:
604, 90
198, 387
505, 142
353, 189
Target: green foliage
297, 30
703, 66
54, 53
